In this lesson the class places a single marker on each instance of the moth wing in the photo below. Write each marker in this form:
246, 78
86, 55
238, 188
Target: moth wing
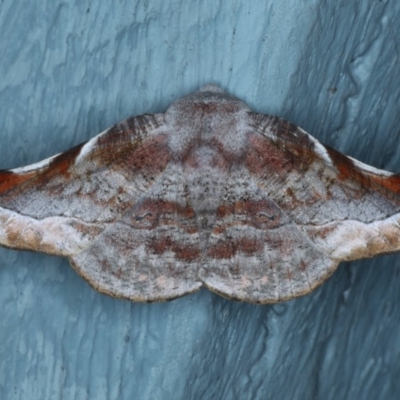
307, 208
80, 203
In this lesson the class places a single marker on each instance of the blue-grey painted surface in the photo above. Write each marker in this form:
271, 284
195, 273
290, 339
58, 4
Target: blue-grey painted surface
70, 69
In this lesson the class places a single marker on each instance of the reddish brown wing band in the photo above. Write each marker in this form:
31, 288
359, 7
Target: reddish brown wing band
207, 194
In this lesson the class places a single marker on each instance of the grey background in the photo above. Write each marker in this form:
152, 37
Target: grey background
70, 69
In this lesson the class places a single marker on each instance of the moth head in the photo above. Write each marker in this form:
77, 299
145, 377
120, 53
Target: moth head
209, 115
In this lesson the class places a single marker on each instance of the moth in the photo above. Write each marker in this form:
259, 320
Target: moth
208, 194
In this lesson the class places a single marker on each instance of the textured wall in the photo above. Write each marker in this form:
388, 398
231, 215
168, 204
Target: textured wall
70, 69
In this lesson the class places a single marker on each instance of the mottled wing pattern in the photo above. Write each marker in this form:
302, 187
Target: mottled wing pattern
295, 210
94, 204
332, 208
